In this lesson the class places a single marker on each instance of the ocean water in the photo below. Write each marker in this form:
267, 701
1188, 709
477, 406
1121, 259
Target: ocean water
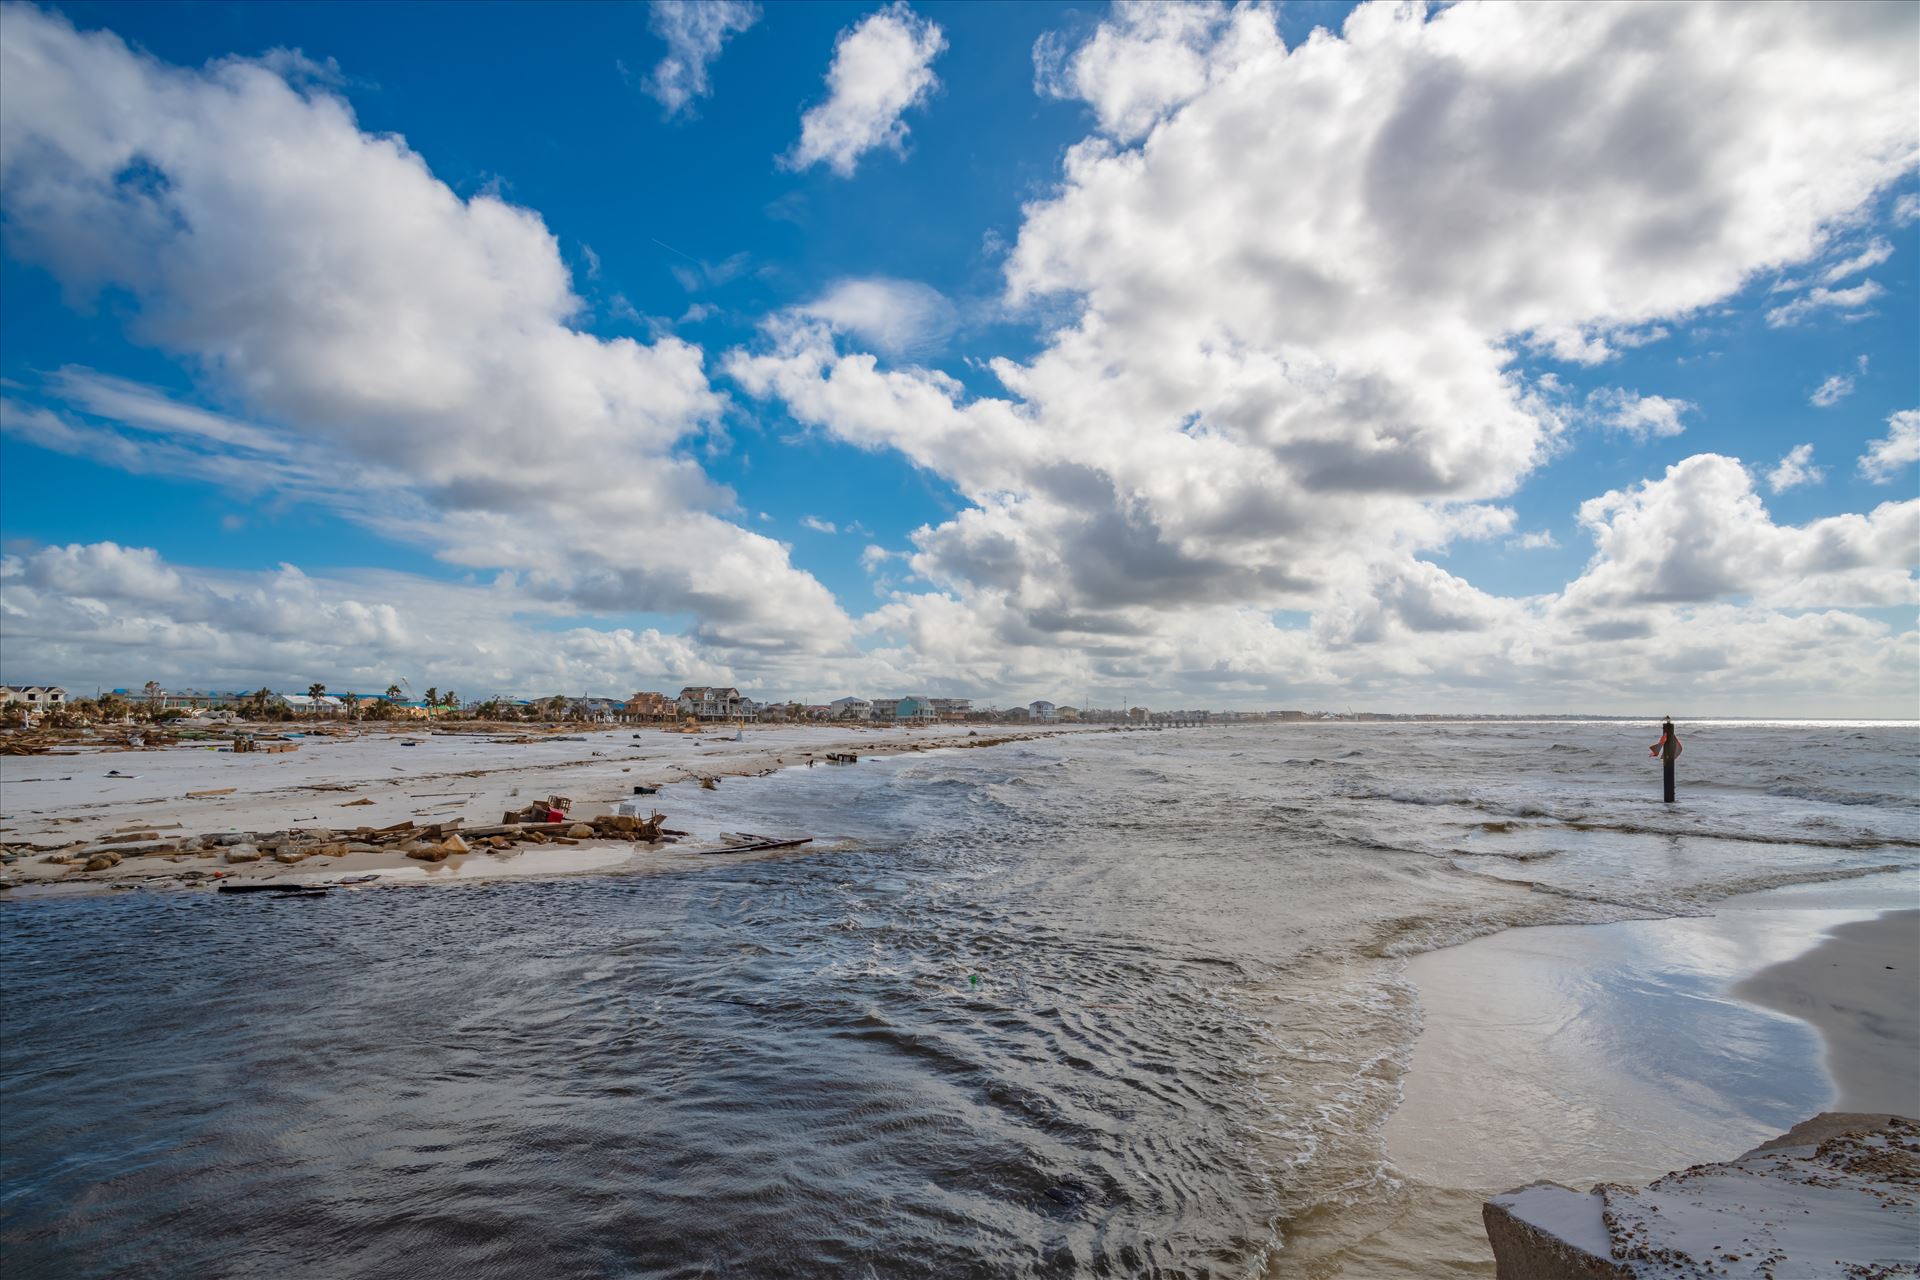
1102, 1004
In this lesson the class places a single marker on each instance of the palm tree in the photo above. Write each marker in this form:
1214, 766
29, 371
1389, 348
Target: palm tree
353, 705
316, 691
153, 691
451, 700
393, 693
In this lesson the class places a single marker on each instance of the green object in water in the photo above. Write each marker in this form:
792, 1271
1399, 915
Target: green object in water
974, 978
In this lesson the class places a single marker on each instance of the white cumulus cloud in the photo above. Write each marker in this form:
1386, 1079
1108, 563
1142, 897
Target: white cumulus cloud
1795, 469
882, 66
378, 342
1700, 533
1638, 416
1900, 447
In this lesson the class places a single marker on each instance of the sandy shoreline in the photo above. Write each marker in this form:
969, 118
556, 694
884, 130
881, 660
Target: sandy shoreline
1858, 990
1621, 1052
69, 801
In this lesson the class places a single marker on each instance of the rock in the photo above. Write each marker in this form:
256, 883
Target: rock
290, 856
429, 853
243, 853
1832, 1196
1545, 1231
103, 861
454, 844
332, 849
580, 831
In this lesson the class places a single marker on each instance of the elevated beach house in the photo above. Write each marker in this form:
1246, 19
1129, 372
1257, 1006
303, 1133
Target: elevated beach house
710, 702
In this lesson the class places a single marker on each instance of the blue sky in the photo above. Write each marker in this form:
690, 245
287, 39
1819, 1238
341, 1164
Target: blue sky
1122, 511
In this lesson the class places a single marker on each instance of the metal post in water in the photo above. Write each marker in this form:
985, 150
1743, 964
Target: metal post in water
1668, 749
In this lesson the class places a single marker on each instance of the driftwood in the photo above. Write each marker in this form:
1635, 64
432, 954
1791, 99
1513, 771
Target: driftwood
761, 845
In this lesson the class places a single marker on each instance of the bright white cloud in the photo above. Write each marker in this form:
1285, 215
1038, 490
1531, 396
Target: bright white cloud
1538, 540
1795, 470
1899, 448
818, 525
1701, 534
1289, 364
882, 66
695, 31
1814, 301
1831, 392
1638, 416
379, 336
893, 316
1871, 255
1145, 60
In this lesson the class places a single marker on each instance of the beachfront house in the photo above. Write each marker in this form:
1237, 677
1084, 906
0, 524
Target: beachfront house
36, 697
914, 711
305, 704
1042, 712
850, 708
952, 708
882, 709
649, 708
711, 702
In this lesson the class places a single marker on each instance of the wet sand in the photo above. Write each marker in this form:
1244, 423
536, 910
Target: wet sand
1858, 990
373, 779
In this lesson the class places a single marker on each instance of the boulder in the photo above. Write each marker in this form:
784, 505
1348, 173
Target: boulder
580, 831
454, 844
290, 856
1831, 1196
104, 861
429, 853
243, 853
